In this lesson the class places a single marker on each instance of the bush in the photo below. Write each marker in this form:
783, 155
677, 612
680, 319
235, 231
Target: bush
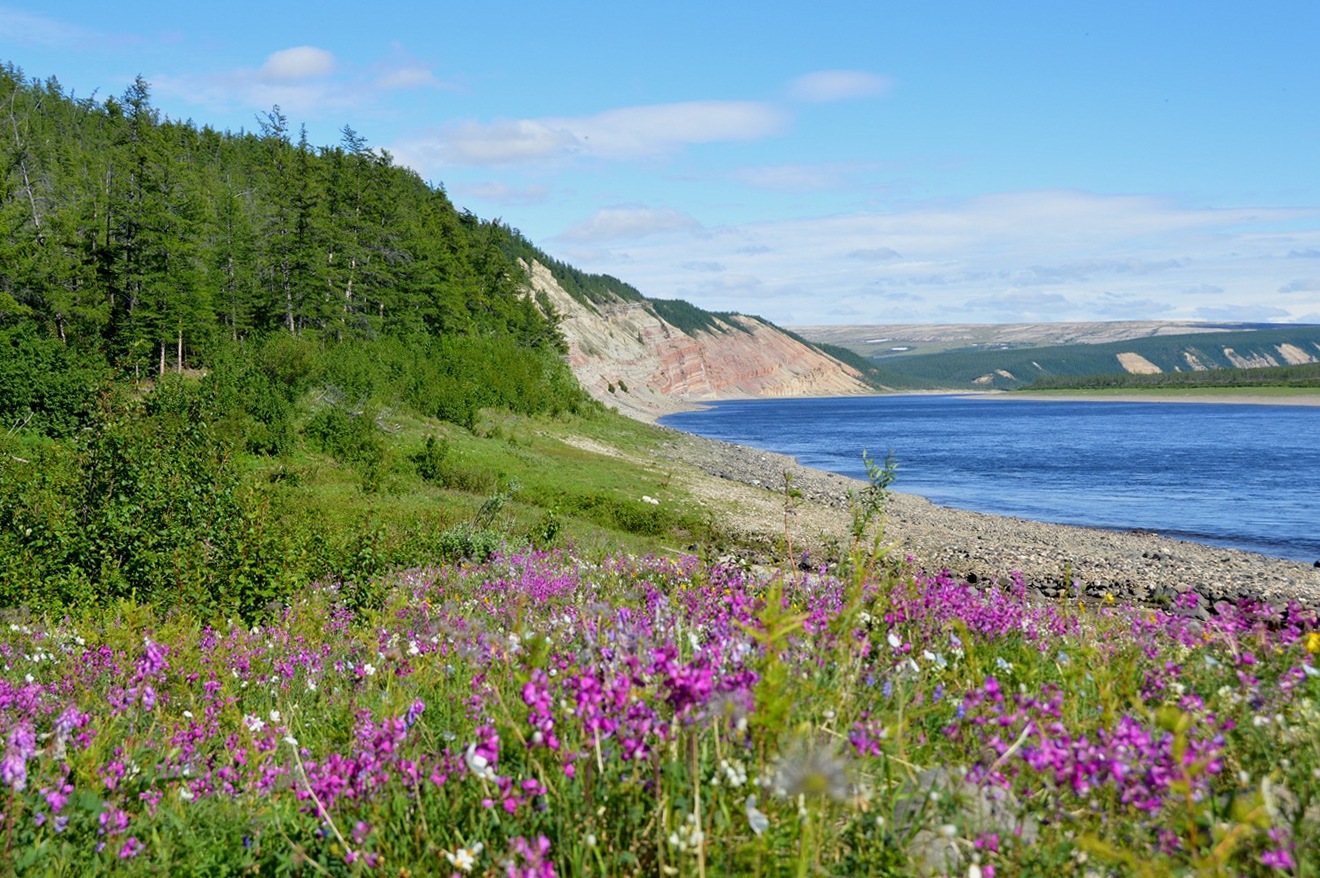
430, 460
147, 506
347, 437
46, 384
467, 542
257, 408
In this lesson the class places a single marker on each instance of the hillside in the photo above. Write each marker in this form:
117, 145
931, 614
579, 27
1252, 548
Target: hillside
232, 364
651, 357
1016, 355
908, 339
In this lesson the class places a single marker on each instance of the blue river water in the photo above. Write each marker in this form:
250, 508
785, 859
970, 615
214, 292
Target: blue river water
1235, 475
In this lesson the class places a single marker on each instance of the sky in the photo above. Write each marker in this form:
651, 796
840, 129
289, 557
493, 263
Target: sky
943, 161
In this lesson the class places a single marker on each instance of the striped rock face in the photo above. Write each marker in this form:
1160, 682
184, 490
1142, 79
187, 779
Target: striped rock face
627, 356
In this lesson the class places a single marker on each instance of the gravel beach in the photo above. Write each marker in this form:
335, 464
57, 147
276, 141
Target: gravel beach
743, 488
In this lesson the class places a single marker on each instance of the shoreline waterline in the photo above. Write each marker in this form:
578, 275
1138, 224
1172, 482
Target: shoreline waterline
1224, 476
1214, 395
1057, 560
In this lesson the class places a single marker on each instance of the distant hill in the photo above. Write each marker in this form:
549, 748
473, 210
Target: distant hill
1016, 355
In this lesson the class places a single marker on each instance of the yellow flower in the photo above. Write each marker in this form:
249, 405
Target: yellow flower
1313, 642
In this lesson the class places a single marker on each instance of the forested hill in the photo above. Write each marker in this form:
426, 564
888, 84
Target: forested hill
146, 244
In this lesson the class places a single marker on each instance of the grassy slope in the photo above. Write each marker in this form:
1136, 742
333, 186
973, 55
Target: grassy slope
537, 465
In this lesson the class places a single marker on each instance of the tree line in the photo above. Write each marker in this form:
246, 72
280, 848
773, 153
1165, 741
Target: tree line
132, 244
203, 333
1305, 375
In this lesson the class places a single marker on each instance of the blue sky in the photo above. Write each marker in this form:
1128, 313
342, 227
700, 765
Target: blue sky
850, 162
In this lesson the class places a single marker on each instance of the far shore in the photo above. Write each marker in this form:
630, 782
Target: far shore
1220, 395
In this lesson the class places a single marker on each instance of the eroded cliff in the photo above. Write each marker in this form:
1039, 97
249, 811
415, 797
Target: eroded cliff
625, 355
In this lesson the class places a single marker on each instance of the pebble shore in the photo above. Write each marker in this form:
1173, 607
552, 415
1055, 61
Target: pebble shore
1056, 561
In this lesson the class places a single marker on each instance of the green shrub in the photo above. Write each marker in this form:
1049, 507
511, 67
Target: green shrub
347, 437
467, 542
256, 407
46, 384
630, 516
430, 460
147, 505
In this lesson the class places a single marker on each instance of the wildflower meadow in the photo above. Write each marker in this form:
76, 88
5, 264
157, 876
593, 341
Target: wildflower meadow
546, 714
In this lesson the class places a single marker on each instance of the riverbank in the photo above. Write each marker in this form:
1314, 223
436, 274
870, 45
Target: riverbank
1215, 395
742, 488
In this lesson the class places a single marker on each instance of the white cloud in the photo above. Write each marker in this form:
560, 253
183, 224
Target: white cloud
1088, 269
629, 223
406, 78
502, 193
1301, 285
633, 132
1014, 305
1115, 306
621, 134
825, 86
1047, 255
499, 143
875, 254
296, 64
305, 81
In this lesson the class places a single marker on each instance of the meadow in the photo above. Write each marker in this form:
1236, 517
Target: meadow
307, 568
575, 712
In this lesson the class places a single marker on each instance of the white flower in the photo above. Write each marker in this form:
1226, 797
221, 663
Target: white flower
689, 835
477, 764
464, 859
755, 818
274, 716
186, 794
812, 768
254, 724
368, 669
732, 773
894, 640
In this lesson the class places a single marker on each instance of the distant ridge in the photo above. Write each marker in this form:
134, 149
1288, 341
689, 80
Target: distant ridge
983, 357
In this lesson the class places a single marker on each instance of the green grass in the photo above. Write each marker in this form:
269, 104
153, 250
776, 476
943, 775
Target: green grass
188, 515
530, 461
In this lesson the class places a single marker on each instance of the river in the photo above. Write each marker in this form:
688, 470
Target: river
1235, 475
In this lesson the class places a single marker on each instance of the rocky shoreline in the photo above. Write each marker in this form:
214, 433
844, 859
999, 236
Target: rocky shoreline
744, 487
